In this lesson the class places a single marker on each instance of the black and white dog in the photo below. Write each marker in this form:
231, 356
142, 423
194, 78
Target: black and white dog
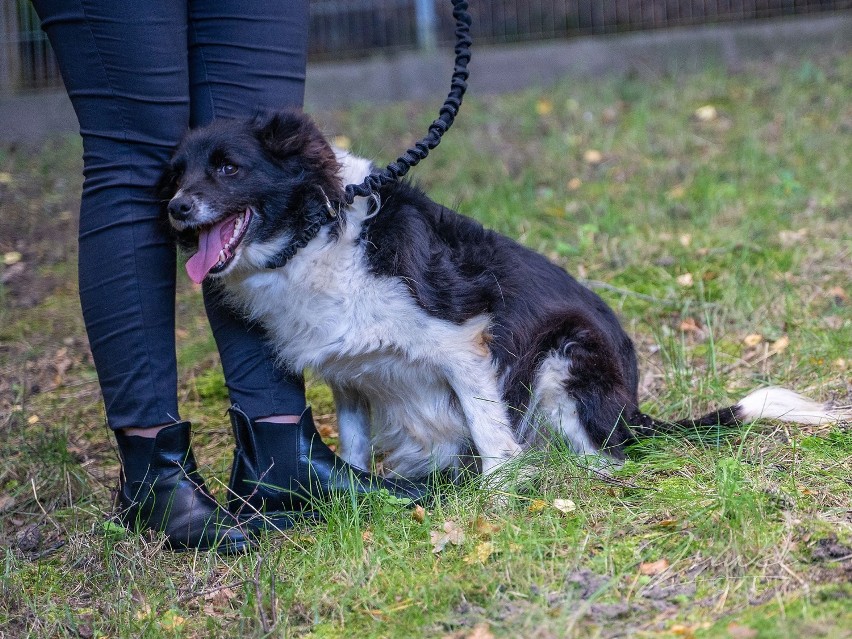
437, 336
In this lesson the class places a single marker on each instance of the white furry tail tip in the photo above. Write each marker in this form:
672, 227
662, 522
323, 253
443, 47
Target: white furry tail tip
786, 406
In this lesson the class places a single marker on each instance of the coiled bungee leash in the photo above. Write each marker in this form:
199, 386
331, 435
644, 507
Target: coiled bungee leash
396, 170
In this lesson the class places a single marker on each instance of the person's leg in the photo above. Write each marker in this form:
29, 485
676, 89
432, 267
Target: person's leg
125, 69
245, 57
254, 381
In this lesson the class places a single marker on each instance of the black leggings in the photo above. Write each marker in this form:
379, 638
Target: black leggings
138, 74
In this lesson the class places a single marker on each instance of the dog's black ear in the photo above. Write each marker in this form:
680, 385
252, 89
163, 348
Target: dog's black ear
288, 134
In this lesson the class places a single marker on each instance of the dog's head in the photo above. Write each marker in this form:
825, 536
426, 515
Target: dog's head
242, 194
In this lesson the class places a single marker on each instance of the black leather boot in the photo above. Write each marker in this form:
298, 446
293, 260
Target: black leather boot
282, 470
162, 490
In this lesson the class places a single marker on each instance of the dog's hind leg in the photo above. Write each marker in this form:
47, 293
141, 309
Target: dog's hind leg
582, 392
557, 409
353, 424
475, 386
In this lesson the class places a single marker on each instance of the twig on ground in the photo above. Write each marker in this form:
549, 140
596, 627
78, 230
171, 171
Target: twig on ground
209, 591
841, 559
617, 482
264, 620
43, 511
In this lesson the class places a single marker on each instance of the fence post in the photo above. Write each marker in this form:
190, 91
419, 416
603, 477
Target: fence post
10, 63
427, 25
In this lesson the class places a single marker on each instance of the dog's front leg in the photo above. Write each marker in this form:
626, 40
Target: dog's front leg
353, 424
475, 386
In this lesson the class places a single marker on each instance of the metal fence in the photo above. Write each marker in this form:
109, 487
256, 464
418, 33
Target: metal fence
342, 29
26, 59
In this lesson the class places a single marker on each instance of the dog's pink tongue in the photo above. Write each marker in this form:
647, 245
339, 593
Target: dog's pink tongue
210, 242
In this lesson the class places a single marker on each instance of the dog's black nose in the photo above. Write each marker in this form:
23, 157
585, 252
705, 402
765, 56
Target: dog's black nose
180, 207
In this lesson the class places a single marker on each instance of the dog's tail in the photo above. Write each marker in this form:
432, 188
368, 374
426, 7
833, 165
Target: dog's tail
768, 403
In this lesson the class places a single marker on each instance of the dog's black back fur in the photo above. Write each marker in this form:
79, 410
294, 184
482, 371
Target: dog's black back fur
457, 269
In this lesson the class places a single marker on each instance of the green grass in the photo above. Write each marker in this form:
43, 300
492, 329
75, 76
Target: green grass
702, 234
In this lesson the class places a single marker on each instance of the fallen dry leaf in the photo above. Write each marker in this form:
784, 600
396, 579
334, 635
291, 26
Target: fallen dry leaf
32, 419
544, 106
677, 191
537, 505
593, 156
12, 257
780, 344
485, 527
706, 113
452, 534
564, 505
685, 280
574, 184
481, 553
752, 340
170, 620
220, 600
653, 567
685, 240
689, 325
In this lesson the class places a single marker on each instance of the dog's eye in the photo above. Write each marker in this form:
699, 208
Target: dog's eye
228, 169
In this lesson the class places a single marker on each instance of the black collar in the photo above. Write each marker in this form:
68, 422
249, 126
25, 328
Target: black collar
313, 228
